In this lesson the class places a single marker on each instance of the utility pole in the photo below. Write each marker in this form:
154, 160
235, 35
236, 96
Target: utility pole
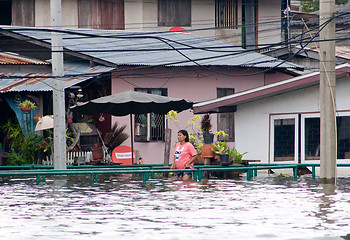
328, 144
288, 25
58, 87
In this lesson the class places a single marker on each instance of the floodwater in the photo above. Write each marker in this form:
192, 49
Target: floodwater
121, 207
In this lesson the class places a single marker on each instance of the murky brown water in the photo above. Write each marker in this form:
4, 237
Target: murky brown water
123, 208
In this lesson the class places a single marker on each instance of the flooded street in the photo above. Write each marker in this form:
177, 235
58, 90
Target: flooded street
268, 207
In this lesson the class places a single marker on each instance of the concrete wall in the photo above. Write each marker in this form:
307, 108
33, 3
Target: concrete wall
143, 16
253, 119
69, 12
269, 13
192, 84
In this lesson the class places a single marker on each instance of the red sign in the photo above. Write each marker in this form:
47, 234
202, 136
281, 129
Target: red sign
178, 29
122, 154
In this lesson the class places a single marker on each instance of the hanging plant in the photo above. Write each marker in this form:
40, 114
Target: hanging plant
27, 106
37, 118
70, 120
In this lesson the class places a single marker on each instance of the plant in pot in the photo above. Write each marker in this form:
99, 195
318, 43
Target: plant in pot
208, 138
206, 127
222, 149
27, 106
237, 156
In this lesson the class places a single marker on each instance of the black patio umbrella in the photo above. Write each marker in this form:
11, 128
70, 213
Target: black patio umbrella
131, 102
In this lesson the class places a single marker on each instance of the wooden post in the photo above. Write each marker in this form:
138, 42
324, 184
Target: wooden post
206, 162
167, 146
132, 140
167, 149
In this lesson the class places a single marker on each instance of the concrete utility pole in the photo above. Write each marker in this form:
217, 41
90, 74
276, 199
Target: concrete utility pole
328, 147
58, 87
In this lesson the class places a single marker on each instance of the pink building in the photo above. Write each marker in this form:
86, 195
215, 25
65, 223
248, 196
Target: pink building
180, 65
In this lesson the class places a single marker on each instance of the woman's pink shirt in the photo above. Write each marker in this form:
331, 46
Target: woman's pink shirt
183, 154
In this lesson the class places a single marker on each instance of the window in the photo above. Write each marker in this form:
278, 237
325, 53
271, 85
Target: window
5, 12
284, 141
226, 120
312, 138
101, 14
226, 12
151, 126
174, 12
17, 12
23, 13
291, 143
249, 24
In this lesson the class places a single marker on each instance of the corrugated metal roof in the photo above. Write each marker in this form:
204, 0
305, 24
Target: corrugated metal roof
343, 51
340, 51
17, 82
341, 11
12, 58
154, 49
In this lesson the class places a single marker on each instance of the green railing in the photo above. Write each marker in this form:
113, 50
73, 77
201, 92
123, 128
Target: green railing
143, 171
146, 171
249, 170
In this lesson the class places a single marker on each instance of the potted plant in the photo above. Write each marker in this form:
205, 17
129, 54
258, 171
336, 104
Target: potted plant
222, 149
27, 106
37, 118
237, 156
208, 138
206, 127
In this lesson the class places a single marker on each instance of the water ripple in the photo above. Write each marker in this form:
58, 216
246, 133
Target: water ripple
266, 208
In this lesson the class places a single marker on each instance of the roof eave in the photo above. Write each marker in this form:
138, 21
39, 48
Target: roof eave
266, 91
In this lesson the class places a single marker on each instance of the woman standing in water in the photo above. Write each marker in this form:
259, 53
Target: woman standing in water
185, 154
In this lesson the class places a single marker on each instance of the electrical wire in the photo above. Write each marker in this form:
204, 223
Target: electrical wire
164, 40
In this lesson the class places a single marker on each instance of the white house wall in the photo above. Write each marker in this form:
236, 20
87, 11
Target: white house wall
252, 119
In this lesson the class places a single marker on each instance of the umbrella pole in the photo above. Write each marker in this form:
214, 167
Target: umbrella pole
132, 140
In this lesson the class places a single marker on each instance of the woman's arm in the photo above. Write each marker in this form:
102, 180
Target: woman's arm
191, 161
173, 165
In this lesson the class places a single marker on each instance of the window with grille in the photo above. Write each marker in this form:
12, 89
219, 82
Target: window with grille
174, 12
226, 12
150, 127
226, 121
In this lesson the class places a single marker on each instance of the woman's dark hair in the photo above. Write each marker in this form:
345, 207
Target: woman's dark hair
185, 133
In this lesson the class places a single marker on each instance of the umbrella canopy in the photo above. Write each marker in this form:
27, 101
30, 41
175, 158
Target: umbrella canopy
45, 122
130, 102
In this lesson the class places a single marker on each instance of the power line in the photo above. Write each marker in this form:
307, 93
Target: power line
193, 60
120, 35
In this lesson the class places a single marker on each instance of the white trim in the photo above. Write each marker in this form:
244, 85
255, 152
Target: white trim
296, 136
200, 104
302, 133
